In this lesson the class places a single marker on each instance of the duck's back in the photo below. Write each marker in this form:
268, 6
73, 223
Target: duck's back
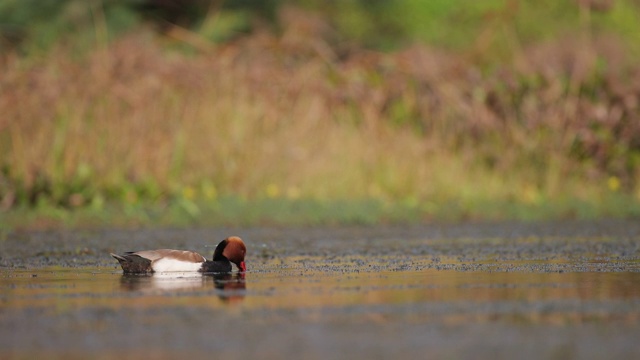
160, 260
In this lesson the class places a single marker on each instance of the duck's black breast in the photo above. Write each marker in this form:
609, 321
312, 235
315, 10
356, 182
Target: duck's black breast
220, 266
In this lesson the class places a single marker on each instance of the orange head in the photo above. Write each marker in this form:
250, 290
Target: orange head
232, 249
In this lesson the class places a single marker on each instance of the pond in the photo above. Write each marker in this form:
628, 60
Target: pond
552, 290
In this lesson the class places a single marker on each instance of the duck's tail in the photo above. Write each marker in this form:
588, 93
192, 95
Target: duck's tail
133, 264
119, 257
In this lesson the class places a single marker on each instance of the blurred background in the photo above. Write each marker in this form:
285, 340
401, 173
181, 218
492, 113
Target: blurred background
205, 112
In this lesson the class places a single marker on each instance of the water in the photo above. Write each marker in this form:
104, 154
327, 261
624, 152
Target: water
515, 290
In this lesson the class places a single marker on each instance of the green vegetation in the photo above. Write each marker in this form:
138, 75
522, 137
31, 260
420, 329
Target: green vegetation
247, 112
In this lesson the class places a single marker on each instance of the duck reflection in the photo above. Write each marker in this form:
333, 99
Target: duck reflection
230, 287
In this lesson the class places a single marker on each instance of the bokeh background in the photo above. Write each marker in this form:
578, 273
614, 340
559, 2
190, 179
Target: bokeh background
205, 112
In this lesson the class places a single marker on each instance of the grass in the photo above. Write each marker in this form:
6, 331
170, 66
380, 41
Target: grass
281, 128
233, 211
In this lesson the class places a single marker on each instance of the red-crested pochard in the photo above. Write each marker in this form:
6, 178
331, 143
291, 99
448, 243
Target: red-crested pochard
229, 250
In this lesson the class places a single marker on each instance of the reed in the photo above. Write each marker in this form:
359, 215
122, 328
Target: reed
284, 117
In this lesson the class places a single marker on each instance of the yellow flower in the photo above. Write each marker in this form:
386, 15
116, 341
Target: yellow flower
273, 190
188, 193
209, 191
614, 183
530, 194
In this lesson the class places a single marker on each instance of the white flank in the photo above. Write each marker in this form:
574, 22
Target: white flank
175, 265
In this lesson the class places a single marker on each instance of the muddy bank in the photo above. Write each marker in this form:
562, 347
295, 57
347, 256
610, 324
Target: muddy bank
613, 240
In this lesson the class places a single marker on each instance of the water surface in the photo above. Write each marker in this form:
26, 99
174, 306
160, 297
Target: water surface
554, 291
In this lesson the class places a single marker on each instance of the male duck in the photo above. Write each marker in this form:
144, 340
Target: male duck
229, 250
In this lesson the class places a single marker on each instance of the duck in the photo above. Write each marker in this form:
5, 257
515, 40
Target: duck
229, 251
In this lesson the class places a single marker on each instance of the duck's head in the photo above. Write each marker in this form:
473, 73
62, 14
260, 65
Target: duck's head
232, 249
